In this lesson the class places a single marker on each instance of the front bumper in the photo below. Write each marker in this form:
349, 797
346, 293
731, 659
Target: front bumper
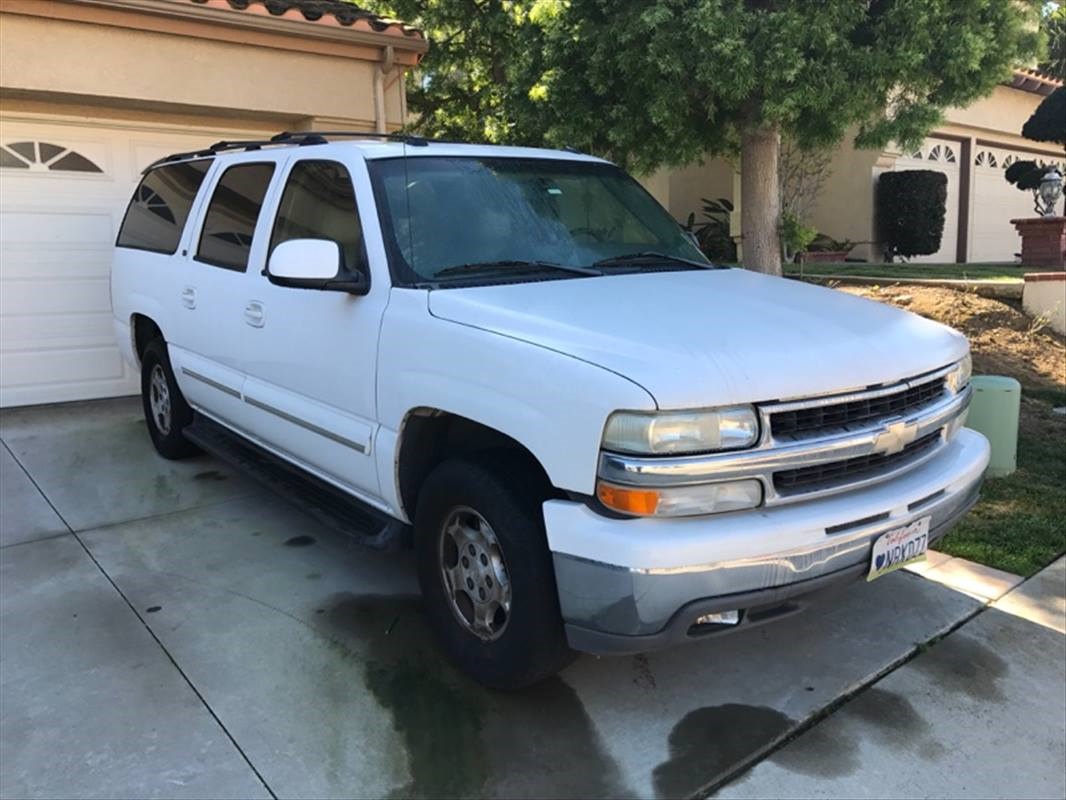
632, 585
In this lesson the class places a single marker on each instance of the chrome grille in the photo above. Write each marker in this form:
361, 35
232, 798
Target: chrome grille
812, 421
822, 477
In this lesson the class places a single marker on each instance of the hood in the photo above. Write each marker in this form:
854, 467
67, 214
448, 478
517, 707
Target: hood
712, 337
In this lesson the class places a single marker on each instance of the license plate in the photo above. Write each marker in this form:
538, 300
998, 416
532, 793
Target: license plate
898, 548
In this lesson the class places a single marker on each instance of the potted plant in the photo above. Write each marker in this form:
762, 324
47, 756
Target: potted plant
825, 249
712, 234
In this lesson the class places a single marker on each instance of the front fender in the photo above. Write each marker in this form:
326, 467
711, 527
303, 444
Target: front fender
553, 404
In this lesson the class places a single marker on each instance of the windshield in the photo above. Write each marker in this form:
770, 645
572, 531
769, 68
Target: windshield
486, 219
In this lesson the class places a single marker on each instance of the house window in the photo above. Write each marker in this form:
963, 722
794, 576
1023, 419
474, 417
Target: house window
1008, 161
986, 158
917, 154
42, 156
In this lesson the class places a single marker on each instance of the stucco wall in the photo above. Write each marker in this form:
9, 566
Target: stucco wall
46, 58
844, 209
688, 186
1002, 113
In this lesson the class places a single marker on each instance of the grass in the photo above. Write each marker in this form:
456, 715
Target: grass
1019, 525
899, 272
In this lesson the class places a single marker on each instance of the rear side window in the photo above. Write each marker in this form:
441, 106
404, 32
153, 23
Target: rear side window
160, 206
319, 203
226, 238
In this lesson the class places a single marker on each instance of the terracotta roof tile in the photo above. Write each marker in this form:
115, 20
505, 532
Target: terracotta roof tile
322, 12
1035, 81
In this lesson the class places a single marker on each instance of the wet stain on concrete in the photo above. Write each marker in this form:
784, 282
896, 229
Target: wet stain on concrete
963, 664
152, 609
711, 741
463, 740
300, 541
643, 677
831, 749
313, 576
896, 723
209, 475
820, 753
437, 717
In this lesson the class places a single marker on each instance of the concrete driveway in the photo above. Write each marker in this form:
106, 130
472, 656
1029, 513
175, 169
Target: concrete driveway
167, 629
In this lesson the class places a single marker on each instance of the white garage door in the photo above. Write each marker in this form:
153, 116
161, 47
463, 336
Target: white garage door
942, 156
995, 204
63, 191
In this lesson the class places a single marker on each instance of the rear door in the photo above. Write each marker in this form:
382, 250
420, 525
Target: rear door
311, 355
209, 346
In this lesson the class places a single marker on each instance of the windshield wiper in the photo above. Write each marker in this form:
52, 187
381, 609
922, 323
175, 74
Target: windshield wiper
650, 256
493, 266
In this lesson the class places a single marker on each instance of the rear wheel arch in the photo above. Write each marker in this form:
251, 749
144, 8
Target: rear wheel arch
143, 330
430, 436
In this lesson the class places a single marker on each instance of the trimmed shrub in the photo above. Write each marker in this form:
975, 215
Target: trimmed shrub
911, 206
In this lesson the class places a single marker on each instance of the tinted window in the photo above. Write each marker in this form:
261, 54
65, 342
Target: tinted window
319, 203
226, 238
160, 205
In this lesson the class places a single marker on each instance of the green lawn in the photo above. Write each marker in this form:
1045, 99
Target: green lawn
1019, 525
901, 272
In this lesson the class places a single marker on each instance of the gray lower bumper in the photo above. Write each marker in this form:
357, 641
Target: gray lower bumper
612, 610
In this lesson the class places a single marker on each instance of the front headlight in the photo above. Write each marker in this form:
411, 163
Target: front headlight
959, 377
680, 432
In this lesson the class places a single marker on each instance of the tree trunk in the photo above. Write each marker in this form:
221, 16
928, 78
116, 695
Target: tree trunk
760, 200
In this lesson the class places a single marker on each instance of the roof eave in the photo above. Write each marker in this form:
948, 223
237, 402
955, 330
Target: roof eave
396, 36
1031, 81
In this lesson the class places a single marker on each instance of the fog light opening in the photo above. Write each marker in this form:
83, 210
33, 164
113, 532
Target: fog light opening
718, 618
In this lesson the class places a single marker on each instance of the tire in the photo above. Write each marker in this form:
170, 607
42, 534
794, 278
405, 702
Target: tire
166, 412
530, 644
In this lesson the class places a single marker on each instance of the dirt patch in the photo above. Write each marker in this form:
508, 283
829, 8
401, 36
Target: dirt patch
1003, 339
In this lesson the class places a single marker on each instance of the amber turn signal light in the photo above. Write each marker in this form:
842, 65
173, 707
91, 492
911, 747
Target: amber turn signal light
629, 501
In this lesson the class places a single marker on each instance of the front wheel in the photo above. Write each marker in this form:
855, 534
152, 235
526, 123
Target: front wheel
486, 572
165, 409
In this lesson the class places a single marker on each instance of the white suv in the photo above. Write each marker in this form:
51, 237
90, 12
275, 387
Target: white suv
517, 361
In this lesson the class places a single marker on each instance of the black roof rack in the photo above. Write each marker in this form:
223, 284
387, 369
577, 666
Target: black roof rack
292, 138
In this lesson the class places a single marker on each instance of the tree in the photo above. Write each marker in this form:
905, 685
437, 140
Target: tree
1054, 24
465, 88
654, 83
1046, 124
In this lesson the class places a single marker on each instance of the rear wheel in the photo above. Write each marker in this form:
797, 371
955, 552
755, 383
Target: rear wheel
165, 409
486, 572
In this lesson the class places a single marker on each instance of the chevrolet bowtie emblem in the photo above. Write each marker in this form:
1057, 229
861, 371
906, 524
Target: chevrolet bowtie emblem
895, 437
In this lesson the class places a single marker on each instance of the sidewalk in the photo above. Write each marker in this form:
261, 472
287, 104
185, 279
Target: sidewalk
978, 714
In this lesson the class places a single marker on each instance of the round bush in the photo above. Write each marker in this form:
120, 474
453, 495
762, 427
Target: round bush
911, 206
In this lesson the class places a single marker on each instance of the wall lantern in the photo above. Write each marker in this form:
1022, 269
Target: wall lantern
1050, 191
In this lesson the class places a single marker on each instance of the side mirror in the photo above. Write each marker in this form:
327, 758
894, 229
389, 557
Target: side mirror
313, 264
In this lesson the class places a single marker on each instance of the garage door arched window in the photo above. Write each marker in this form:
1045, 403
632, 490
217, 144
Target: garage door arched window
986, 158
942, 152
42, 156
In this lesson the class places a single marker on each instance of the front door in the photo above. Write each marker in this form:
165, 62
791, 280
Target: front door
311, 358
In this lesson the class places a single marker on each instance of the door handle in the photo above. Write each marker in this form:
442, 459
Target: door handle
188, 297
254, 314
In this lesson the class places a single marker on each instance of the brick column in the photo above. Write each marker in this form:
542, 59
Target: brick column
1043, 241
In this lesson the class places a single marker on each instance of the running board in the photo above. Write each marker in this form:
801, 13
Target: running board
323, 501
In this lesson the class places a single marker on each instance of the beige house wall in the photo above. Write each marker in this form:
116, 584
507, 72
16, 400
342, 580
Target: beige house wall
712, 179
78, 62
844, 208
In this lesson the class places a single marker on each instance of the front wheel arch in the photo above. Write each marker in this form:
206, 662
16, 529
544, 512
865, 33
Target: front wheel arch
430, 436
